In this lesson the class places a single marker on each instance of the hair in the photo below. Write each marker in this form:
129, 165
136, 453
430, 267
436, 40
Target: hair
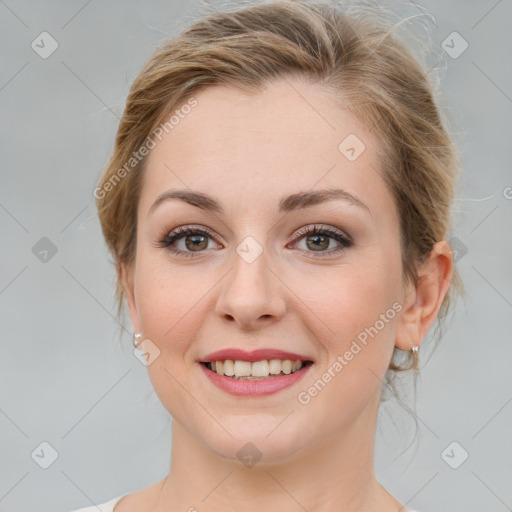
355, 56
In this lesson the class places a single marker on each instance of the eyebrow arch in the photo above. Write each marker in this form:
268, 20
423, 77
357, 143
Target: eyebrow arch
287, 204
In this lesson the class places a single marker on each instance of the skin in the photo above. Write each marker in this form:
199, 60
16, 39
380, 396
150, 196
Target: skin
249, 150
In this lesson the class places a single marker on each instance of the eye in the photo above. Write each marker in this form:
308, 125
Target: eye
318, 239
186, 240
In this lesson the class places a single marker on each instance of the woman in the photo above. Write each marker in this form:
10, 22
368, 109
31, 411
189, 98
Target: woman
276, 204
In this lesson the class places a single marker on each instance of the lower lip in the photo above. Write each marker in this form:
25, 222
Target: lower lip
254, 387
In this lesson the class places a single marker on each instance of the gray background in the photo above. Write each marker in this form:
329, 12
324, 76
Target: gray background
68, 379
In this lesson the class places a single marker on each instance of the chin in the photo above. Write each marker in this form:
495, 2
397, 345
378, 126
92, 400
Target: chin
258, 439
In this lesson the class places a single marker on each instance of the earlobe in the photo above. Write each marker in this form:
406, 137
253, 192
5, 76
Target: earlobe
126, 276
423, 301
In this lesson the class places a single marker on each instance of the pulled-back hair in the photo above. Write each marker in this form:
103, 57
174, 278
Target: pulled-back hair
355, 56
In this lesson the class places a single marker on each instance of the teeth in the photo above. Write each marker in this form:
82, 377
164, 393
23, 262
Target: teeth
229, 368
258, 369
242, 368
275, 366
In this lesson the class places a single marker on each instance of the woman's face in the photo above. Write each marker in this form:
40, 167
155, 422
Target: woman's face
258, 282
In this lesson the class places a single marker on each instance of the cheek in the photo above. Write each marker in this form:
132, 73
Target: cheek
171, 304
350, 298
357, 313
355, 308
169, 301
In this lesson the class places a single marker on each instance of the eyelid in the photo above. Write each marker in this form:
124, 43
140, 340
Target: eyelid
322, 229
179, 232
343, 239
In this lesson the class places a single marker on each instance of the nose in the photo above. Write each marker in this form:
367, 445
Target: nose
251, 295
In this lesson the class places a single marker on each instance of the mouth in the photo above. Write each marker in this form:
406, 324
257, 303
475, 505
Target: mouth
264, 369
254, 374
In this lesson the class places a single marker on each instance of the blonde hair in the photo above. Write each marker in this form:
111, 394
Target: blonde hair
355, 56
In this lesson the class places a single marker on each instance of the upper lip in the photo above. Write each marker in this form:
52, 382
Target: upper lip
252, 356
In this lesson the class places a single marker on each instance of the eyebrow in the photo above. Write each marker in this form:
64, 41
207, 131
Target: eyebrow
287, 204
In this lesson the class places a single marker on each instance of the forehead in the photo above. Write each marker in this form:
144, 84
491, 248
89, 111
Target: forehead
239, 146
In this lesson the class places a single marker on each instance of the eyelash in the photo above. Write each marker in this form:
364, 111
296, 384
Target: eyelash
181, 232
344, 240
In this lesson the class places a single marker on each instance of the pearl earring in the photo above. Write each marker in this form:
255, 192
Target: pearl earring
137, 339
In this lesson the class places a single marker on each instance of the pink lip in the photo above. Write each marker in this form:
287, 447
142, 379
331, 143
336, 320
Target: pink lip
253, 387
255, 355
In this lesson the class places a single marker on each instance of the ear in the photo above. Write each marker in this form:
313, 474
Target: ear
127, 280
423, 300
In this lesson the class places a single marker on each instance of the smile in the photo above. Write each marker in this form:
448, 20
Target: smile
257, 370
252, 374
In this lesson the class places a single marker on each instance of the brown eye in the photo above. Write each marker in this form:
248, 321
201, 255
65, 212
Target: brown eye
185, 241
196, 242
317, 242
317, 239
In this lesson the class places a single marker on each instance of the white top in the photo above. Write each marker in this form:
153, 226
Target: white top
109, 506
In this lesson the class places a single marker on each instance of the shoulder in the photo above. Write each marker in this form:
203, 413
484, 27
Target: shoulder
108, 506
142, 500
139, 500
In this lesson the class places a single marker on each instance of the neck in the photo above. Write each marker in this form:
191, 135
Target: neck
336, 474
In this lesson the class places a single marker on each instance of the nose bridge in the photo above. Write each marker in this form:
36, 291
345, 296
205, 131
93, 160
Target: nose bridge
251, 293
